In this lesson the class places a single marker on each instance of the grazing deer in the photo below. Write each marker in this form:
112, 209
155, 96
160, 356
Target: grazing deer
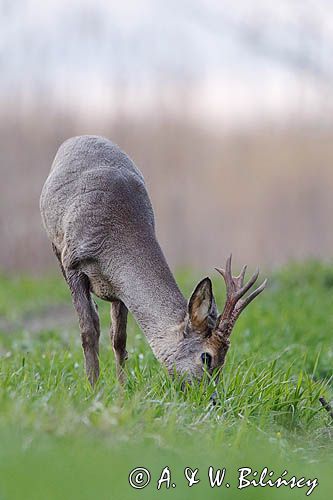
99, 218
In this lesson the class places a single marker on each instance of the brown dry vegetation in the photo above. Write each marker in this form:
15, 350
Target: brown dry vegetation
265, 194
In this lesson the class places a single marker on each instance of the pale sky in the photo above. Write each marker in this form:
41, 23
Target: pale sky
237, 59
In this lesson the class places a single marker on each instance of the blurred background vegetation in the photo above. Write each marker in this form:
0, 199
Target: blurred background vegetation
225, 106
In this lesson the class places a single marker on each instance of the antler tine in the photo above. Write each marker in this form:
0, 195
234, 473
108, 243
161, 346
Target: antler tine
248, 285
241, 276
228, 265
234, 303
226, 273
220, 270
245, 302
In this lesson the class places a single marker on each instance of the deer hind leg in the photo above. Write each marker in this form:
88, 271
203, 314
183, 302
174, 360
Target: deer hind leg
119, 336
86, 310
88, 320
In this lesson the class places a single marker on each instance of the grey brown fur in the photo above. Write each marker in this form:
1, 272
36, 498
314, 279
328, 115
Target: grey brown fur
98, 216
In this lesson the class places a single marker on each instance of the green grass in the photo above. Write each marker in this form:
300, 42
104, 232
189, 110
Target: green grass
60, 439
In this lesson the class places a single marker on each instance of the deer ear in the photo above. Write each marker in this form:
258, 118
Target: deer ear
202, 305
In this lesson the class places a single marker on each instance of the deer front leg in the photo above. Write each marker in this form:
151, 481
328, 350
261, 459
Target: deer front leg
88, 320
119, 336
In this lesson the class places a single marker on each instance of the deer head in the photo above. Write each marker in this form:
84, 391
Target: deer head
206, 336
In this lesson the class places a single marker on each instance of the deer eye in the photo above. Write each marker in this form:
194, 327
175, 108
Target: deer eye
206, 359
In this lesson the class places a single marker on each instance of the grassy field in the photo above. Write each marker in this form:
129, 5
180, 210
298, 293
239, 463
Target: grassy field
61, 440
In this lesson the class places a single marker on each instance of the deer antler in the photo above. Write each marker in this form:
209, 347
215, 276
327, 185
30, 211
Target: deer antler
235, 304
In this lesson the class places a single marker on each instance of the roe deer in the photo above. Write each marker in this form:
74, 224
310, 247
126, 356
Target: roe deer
99, 218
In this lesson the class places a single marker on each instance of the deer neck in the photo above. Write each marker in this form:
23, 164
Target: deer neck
150, 292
